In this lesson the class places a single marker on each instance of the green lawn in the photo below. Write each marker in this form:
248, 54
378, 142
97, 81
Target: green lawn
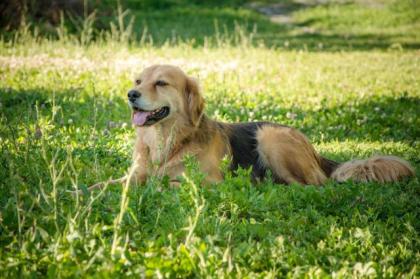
352, 84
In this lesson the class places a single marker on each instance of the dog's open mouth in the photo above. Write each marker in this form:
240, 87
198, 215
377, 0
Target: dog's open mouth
144, 117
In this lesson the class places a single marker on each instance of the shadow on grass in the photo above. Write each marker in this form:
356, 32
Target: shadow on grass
80, 108
83, 125
379, 119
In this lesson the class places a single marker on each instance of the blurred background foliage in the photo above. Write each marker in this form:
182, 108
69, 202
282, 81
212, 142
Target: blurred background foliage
308, 24
48, 11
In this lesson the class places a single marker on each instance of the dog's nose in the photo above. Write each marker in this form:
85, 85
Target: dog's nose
133, 95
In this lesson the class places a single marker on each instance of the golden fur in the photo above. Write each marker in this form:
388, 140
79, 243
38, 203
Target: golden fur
286, 152
290, 155
160, 148
378, 168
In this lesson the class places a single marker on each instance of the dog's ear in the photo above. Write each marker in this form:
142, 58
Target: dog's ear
195, 101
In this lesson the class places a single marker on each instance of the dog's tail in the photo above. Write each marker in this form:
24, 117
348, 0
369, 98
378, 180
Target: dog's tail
375, 169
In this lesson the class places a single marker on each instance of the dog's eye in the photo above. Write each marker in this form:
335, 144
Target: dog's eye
161, 83
138, 81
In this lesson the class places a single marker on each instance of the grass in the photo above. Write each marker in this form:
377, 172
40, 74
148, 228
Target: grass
64, 123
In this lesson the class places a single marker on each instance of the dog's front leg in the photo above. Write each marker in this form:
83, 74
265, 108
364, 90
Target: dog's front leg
141, 164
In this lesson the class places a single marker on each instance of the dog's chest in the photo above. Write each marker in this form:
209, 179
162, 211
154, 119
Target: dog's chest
158, 144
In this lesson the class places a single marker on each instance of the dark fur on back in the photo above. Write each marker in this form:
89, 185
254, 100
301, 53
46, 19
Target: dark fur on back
243, 146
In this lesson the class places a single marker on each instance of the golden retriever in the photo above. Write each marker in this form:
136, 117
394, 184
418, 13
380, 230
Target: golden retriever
168, 115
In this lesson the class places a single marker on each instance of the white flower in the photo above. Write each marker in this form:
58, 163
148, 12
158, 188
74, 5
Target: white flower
291, 115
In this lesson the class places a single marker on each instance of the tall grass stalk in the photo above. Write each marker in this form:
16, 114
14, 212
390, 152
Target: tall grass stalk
117, 221
85, 27
199, 204
122, 33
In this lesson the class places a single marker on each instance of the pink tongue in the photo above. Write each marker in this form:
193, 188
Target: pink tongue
140, 117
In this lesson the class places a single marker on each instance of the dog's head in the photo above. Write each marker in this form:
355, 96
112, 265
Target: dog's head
162, 93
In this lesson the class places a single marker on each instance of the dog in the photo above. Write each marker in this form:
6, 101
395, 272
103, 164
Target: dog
170, 123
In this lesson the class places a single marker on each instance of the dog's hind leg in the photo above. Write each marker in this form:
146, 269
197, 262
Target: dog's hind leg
289, 155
